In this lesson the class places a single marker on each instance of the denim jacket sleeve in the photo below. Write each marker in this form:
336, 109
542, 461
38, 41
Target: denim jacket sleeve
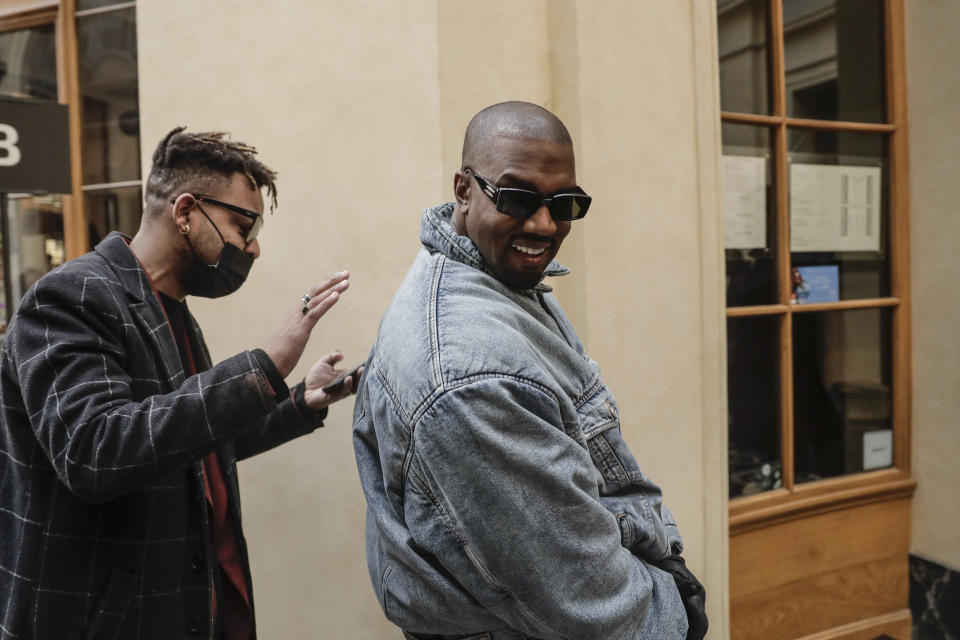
647, 527
502, 489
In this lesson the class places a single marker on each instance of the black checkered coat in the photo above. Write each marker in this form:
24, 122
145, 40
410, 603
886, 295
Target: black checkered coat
102, 514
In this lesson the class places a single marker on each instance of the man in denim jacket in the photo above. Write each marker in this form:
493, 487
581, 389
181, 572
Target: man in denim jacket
502, 499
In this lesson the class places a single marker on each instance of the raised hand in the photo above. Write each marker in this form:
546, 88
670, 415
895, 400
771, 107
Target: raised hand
286, 345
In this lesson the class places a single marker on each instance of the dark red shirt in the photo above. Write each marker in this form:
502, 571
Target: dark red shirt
231, 603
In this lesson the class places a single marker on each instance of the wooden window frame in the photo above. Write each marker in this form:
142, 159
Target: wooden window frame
793, 500
61, 15
23, 14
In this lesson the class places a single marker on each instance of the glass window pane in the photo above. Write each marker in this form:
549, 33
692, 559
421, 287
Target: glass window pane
842, 399
753, 374
115, 209
839, 218
744, 55
750, 218
33, 243
28, 63
108, 85
834, 57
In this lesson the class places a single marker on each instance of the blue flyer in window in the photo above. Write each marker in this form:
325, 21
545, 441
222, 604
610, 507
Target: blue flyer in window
817, 284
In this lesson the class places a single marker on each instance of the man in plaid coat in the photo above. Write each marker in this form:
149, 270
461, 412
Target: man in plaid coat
119, 506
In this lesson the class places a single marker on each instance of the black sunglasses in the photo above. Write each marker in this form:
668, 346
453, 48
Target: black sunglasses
240, 211
523, 203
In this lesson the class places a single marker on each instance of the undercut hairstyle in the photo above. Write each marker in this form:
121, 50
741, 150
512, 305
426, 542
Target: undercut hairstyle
201, 163
523, 120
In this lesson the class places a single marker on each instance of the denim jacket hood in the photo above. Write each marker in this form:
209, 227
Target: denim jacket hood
502, 498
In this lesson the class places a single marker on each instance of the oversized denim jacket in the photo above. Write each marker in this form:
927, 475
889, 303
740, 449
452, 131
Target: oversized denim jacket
502, 499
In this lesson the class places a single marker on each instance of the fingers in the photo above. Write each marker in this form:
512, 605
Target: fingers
323, 300
354, 381
337, 282
325, 374
350, 384
329, 283
349, 388
315, 309
332, 358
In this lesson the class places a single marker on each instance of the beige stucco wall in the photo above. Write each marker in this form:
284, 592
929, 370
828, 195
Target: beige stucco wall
933, 92
361, 106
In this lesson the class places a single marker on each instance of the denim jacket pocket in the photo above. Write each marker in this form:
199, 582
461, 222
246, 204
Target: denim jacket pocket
600, 424
624, 489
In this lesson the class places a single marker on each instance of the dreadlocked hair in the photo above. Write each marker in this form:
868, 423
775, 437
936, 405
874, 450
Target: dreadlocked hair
201, 162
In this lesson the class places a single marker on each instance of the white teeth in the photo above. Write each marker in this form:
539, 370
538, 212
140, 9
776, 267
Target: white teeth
529, 250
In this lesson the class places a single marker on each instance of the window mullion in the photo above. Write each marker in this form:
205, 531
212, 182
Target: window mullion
899, 232
779, 85
786, 400
778, 61
786, 321
74, 218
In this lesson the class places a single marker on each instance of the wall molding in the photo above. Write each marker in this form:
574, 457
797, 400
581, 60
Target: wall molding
895, 625
803, 507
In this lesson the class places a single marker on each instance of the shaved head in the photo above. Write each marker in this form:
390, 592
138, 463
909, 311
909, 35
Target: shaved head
520, 120
514, 148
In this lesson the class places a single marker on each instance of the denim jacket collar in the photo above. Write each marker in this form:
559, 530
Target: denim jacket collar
438, 235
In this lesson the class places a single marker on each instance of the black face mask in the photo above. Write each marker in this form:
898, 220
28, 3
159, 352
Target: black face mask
222, 278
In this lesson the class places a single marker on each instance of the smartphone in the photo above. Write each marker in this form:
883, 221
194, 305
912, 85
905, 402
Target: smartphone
337, 385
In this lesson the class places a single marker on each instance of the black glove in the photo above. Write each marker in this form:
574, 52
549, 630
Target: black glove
691, 592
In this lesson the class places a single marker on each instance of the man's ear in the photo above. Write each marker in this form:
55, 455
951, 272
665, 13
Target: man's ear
461, 190
182, 206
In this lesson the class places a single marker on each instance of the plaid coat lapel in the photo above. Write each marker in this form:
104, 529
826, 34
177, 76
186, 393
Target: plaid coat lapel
148, 314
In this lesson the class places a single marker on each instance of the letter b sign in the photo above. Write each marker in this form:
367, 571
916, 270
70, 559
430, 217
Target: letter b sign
9, 151
34, 146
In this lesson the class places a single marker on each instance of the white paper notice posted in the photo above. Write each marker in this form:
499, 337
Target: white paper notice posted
877, 449
744, 202
834, 208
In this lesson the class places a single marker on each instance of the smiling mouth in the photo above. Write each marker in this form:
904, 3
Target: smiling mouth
530, 251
